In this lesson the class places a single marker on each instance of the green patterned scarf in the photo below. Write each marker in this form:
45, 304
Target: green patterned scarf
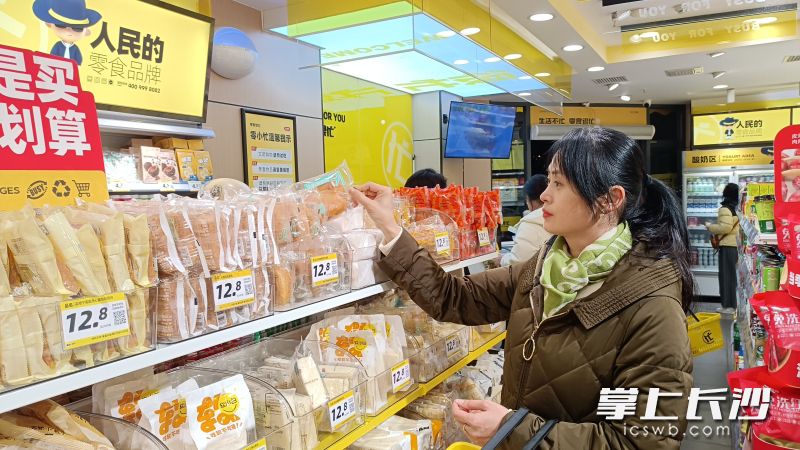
564, 276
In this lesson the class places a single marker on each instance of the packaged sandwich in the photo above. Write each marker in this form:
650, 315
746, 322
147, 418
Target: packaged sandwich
5, 285
333, 189
14, 353
67, 422
437, 233
47, 438
186, 243
203, 216
220, 415
137, 241
289, 222
164, 414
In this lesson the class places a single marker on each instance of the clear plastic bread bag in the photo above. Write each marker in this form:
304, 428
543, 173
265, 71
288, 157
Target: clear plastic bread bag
220, 415
436, 232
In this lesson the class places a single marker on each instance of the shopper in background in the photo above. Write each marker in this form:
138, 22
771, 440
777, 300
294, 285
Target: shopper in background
726, 229
426, 178
601, 306
530, 234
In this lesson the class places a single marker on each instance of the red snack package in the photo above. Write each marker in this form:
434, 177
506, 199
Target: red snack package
780, 314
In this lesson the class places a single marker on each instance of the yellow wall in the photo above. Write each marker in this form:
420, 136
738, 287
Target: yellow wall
369, 126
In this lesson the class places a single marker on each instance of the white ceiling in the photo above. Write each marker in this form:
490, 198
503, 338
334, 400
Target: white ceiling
748, 69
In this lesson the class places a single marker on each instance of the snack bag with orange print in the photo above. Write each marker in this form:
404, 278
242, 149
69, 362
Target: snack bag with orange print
220, 415
362, 345
164, 415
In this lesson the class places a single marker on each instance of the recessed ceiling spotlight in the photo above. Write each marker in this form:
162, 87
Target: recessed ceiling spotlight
611, 87
511, 56
762, 20
595, 69
470, 31
716, 54
721, 86
624, 98
525, 77
461, 62
491, 59
446, 33
572, 48
717, 74
524, 94
649, 34
542, 74
621, 15
541, 17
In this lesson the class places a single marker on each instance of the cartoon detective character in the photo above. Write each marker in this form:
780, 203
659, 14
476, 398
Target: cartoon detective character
728, 123
70, 21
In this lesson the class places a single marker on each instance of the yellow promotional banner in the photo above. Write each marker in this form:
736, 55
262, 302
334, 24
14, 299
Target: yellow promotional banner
369, 126
141, 56
796, 116
269, 142
739, 127
51, 187
755, 156
600, 115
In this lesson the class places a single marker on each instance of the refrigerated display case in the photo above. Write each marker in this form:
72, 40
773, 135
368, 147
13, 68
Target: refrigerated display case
702, 194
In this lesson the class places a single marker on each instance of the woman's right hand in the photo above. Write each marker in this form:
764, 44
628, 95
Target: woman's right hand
377, 200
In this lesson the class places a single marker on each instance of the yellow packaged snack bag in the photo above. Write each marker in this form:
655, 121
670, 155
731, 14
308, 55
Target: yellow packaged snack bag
220, 415
34, 256
68, 422
112, 235
47, 308
66, 244
186, 165
138, 314
90, 243
137, 239
203, 167
44, 439
37, 353
13, 363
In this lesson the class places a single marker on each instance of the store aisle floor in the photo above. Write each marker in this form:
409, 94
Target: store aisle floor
710, 371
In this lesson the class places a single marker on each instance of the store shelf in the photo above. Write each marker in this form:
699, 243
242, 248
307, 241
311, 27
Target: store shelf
705, 270
421, 390
701, 214
137, 188
755, 237
42, 390
142, 128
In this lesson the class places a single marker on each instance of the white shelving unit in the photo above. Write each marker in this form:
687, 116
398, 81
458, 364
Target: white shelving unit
26, 395
754, 236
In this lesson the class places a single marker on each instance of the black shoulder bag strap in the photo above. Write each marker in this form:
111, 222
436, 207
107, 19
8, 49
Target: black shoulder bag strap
512, 423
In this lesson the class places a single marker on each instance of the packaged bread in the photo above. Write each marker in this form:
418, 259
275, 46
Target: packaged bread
289, 221
161, 236
263, 290
34, 257
90, 243
220, 415
308, 381
5, 285
203, 217
382, 439
332, 188
282, 279
14, 351
37, 352
111, 230
67, 422
315, 210
47, 438
244, 223
69, 249
175, 297
438, 235
164, 415
267, 248
139, 309
137, 242
304, 430
186, 244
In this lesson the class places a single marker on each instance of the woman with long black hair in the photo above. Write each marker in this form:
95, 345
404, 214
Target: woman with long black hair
602, 305
726, 229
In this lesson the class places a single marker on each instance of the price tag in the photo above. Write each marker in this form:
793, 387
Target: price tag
195, 185
324, 270
232, 289
342, 409
91, 320
258, 445
483, 237
116, 186
401, 376
166, 186
452, 345
442, 242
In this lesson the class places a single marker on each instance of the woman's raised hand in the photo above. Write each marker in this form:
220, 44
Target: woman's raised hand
377, 201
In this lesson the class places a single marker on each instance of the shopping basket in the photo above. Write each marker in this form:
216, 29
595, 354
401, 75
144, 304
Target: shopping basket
705, 333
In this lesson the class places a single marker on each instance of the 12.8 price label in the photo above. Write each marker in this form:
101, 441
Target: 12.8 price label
401, 376
91, 320
324, 270
452, 345
258, 445
442, 242
342, 409
232, 289
483, 237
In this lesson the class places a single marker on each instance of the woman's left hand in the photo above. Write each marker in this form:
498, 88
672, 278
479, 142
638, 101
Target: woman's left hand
479, 419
